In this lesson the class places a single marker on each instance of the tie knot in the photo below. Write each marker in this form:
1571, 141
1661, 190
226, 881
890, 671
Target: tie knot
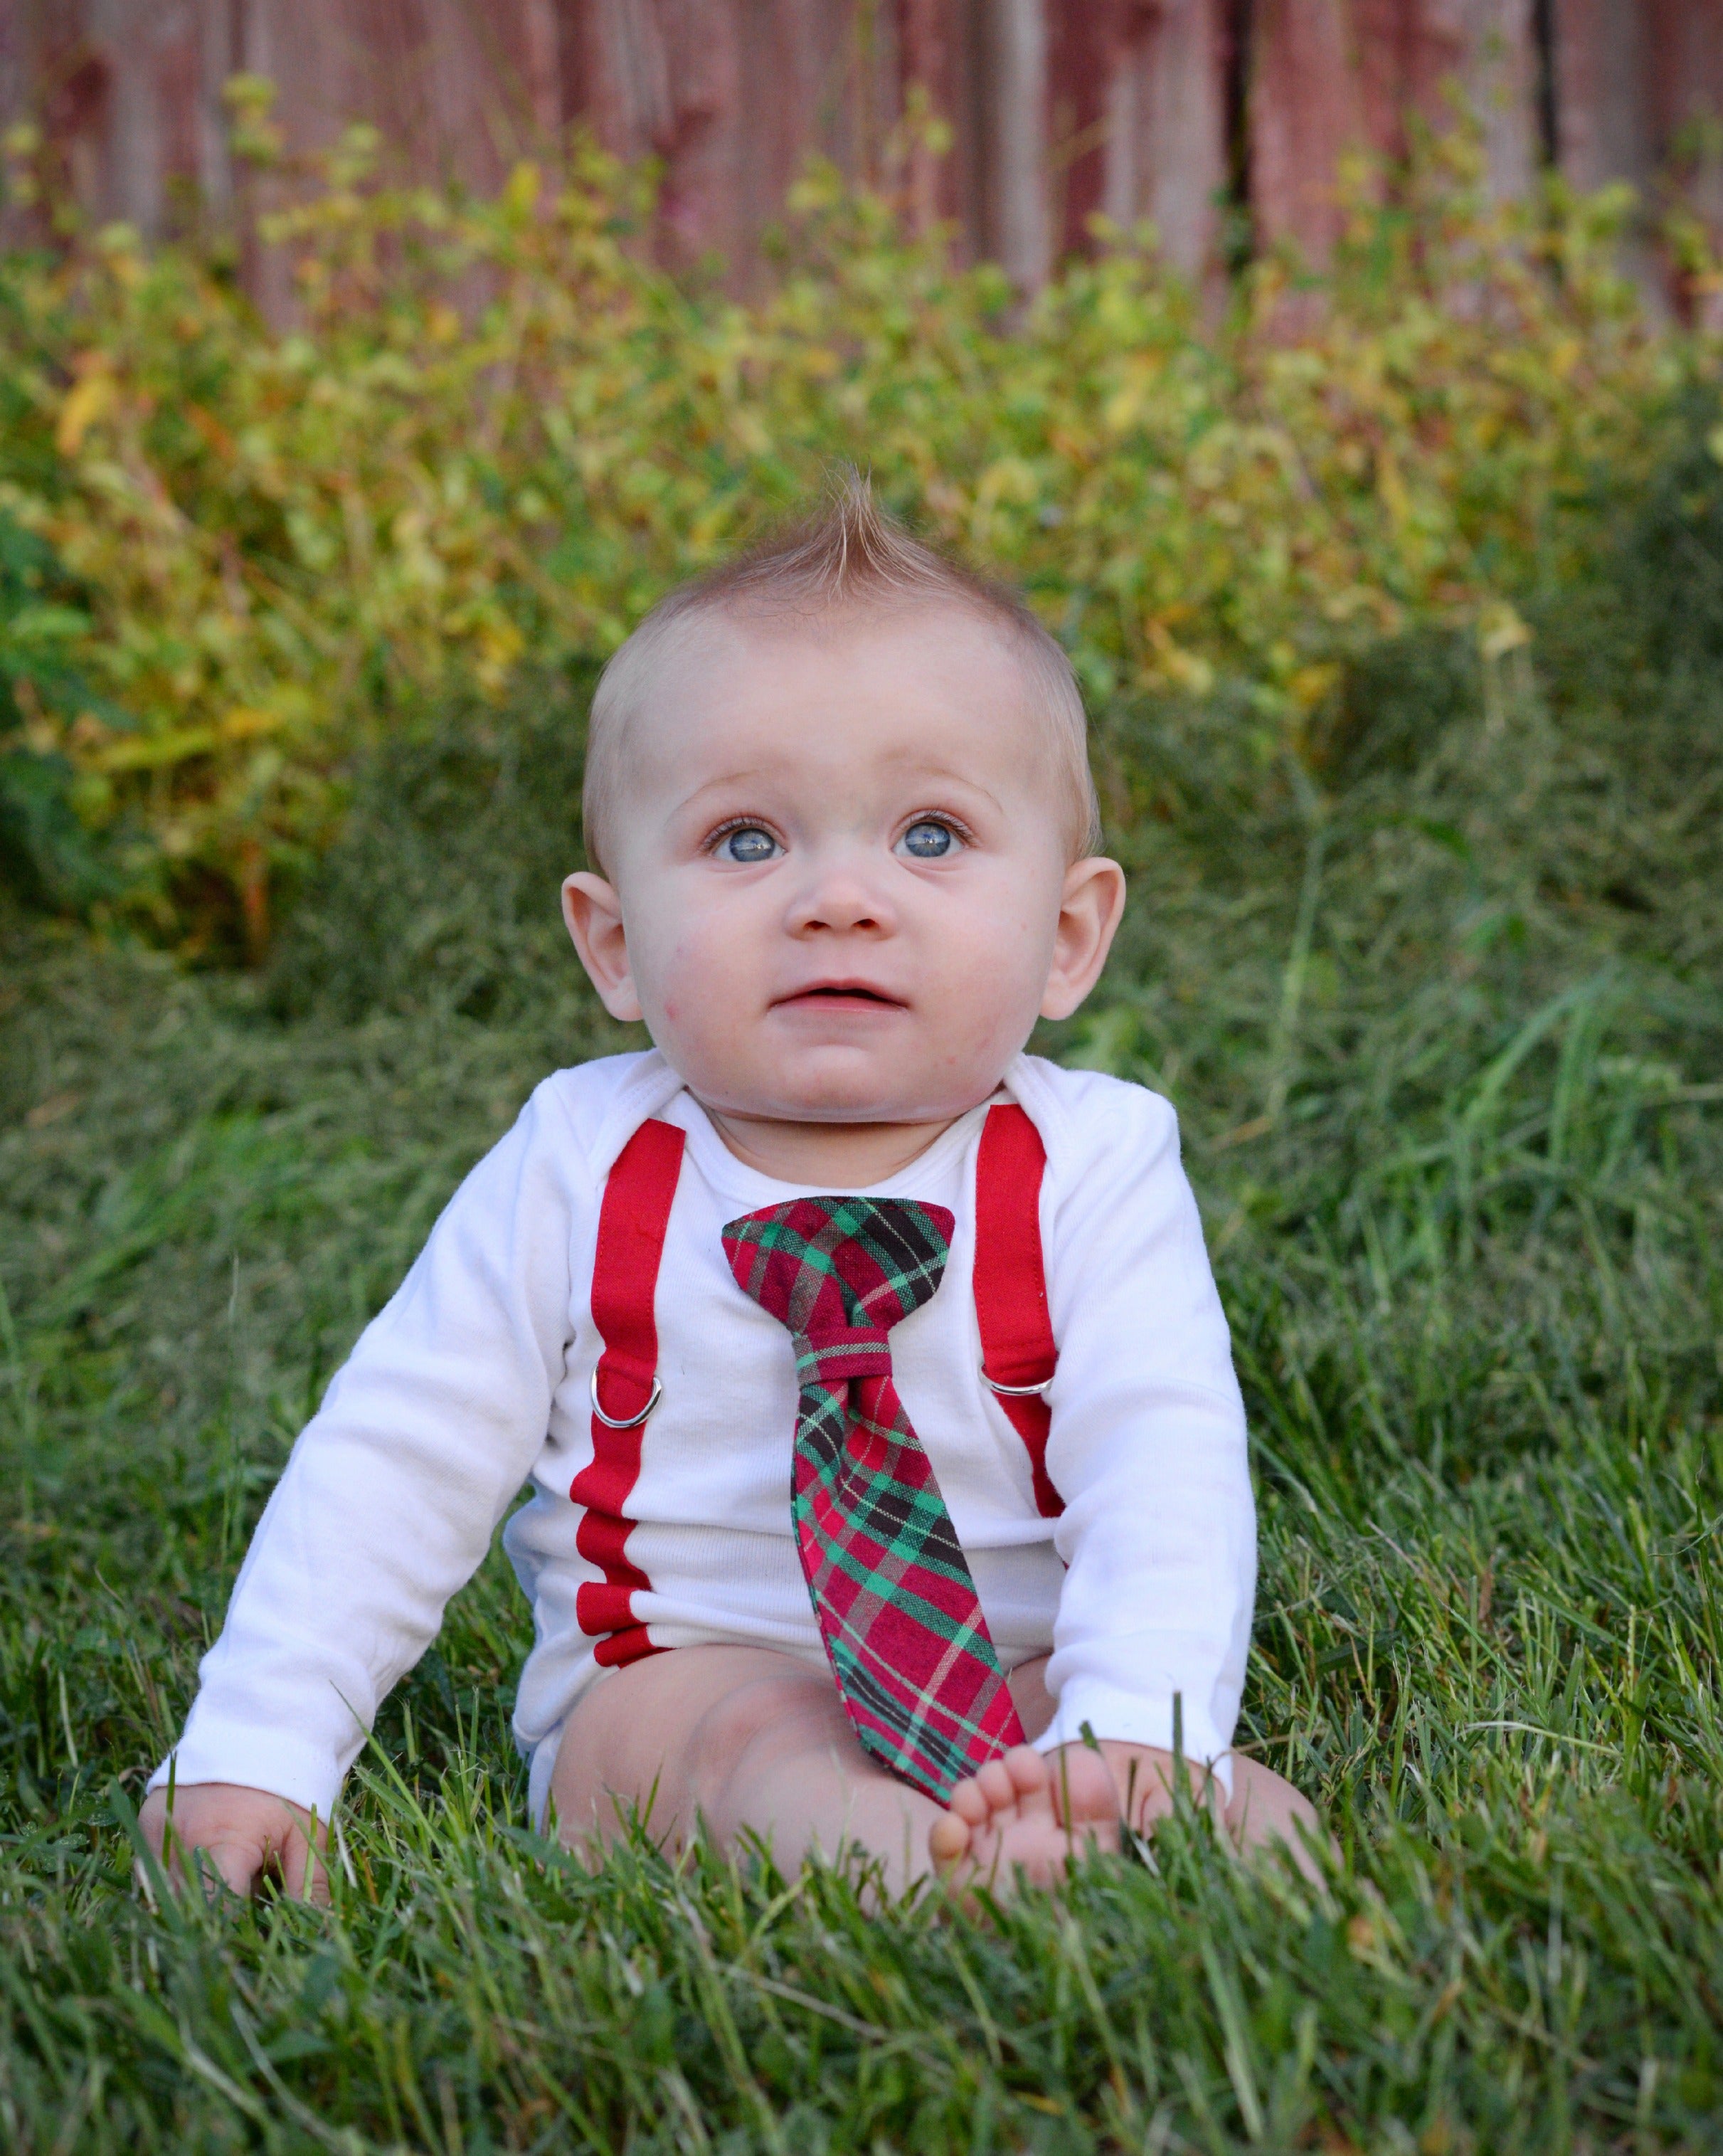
833, 1358
840, 1272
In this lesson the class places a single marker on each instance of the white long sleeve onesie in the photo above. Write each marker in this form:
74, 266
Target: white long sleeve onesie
473, 1380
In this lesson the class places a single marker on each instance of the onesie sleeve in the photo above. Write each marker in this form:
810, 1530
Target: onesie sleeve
1147, 1444
390, 1497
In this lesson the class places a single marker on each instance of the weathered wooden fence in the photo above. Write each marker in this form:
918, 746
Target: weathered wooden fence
1217, 119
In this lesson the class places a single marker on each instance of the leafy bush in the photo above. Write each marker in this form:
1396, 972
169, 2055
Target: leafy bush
45, 852
492, 433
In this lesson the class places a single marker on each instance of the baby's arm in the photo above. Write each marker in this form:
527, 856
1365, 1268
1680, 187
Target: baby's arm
1147, 1449
386, 1507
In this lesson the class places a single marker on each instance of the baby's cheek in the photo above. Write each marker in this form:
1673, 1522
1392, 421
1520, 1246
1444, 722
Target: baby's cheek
977, 1026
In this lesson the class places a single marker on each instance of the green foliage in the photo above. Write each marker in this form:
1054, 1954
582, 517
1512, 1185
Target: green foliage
45, 852
1445, 1028
492, 434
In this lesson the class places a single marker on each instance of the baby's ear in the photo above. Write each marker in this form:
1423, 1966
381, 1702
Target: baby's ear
594, 914
1090, 908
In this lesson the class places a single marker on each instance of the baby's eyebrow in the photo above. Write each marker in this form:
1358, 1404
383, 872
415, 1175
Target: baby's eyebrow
943, 774
935, 774
726, 781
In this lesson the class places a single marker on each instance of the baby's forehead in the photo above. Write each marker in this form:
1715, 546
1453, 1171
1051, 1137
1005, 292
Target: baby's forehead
846, 710
742, 629
731, 660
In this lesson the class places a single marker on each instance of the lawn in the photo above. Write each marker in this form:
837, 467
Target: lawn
1442, 1010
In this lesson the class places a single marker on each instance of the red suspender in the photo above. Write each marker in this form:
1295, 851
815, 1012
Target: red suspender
1018, 1351
632, 1222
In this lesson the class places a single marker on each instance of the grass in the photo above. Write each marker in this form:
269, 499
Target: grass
1445, 1027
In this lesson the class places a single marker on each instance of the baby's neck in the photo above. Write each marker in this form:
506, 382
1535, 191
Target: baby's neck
843, 1156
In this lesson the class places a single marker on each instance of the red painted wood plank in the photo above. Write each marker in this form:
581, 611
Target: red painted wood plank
1059, 111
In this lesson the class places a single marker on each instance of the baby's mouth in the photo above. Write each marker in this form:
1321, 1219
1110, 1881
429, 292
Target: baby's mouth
840, 995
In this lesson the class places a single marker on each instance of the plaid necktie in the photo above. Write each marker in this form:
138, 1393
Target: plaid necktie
891, 1588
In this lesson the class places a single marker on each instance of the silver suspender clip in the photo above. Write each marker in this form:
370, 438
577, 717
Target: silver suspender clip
1014, 1392
628, 1422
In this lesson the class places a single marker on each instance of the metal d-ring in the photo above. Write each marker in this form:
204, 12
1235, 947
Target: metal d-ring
1014, 1392
628, 1422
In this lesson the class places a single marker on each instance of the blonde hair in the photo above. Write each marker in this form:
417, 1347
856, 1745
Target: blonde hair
847, 556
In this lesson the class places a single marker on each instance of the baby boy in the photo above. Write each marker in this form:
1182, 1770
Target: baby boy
888, 1466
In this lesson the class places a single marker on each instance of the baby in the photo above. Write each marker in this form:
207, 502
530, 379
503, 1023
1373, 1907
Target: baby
889, 1486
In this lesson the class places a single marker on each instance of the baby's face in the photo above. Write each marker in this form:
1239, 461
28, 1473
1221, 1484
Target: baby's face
841, 890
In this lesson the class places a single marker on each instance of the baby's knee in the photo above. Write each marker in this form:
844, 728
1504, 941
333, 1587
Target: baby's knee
781, 1712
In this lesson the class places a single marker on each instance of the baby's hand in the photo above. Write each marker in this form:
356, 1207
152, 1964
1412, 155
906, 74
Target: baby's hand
243, 1834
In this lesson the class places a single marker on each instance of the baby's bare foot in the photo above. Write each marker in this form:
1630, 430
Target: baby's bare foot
1024, 1813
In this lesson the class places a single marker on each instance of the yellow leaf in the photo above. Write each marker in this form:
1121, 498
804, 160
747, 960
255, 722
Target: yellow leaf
521, 195
1175, 665
86, 401
154, 752
1392, 486
1008, 480
244, 721
1501, 630
1310, 685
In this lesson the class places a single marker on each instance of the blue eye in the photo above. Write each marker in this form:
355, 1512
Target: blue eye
928, 841
748, 844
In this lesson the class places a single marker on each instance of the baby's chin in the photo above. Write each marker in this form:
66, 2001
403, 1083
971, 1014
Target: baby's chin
840, 1086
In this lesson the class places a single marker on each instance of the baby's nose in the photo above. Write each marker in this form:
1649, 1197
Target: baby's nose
840, 899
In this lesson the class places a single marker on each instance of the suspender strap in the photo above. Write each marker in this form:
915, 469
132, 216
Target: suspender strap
1018, 1347
632, 1222
1017, 1343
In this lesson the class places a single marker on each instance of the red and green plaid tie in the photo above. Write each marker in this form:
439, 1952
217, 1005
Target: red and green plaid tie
891, 1587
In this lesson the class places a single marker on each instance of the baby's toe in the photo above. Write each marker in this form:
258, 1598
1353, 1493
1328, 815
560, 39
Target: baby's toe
1032, 1783
996, 1784
948, 1839
1027, 1769
1086, 1796
968, 1800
